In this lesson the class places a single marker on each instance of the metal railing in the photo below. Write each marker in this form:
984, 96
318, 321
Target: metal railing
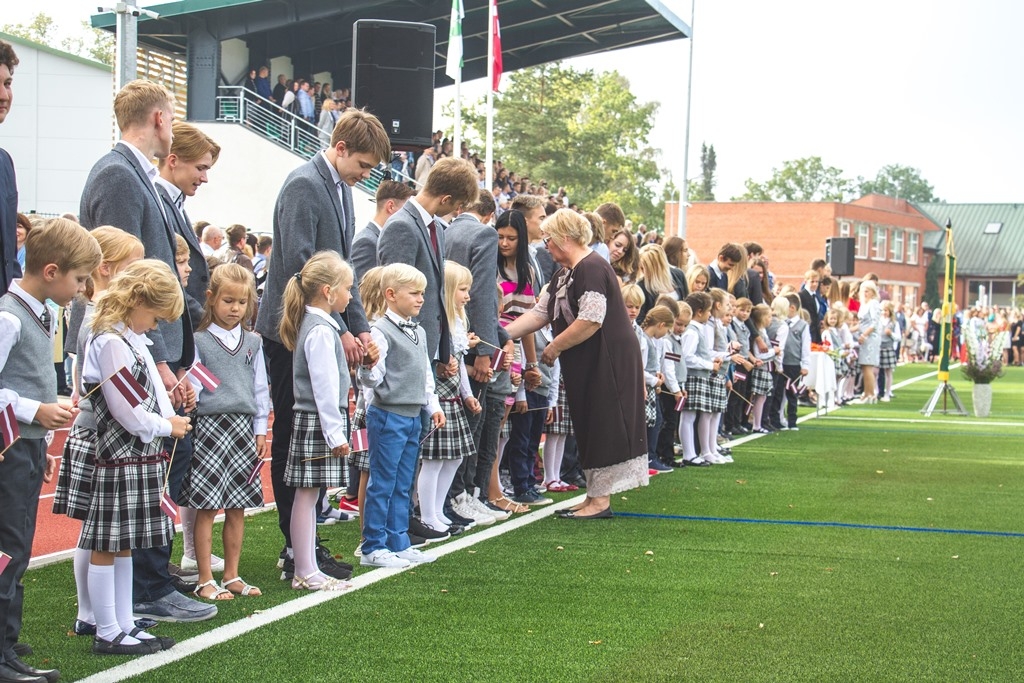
236, 104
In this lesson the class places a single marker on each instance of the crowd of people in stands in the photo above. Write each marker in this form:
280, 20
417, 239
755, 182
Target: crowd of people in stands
446, 367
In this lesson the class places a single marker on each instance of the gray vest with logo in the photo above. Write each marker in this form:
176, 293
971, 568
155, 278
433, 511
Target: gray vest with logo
302, 384
29, 368
791, 354
702, 351
236, 370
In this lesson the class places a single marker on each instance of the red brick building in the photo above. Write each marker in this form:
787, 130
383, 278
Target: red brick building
889, 236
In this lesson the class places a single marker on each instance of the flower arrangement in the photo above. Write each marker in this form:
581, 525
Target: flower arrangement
984, 355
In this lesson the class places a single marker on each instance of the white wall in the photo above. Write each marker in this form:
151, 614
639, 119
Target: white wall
245, 181
60, 123
234, 60
278, 66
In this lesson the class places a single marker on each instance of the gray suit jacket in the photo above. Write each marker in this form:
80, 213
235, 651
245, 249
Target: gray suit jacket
119, 193
406, 239
308, 218
364, 250
199, 280
474, 245
9, 268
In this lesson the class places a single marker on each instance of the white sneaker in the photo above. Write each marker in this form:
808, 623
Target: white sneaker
885, 399
463, 506
359, 550
384, 558
726, 458
188, 564
480, 508
714, 459
414, 556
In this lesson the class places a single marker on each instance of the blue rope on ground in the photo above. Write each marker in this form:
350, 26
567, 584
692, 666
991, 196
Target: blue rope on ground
842, 525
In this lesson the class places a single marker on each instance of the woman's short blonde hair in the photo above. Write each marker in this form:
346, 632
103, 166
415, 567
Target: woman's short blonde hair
565, 225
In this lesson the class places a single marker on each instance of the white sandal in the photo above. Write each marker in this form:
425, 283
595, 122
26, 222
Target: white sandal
216, 597
328, 584
246, 591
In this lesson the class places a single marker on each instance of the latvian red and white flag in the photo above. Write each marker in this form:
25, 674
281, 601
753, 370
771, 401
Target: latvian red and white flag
359, 441
9, 425
205, 377
5, 560
498, 360
496, 37
739, 376
129, 387
680, 404
256, 471
168, 506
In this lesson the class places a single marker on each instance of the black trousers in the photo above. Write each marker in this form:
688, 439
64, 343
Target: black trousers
669, 427
279, 372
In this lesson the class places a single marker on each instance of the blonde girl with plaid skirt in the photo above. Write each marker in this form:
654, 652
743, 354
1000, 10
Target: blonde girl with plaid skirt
320, 430
443, 450
124, 509
718, 340
761, 380
696, 353
230, 438
74, 481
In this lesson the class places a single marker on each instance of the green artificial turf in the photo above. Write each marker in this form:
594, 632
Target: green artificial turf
674, 599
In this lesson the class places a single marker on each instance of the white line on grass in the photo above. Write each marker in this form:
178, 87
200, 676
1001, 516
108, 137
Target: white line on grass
242, 626
981, 423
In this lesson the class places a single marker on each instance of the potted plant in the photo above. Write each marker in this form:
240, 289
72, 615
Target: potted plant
984, 365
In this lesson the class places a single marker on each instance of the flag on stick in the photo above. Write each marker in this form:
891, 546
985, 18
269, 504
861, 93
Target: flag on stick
167, 505
674, 357
496, 47
126, 384
429, 434
9, 426
205, 377
360, 442
498, 360
739, 376
680, 404
5, 560
256, 471
454, 66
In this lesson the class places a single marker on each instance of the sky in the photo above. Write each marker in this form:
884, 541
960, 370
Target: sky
932, 84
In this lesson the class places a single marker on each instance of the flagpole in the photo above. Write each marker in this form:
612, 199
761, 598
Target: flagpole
457, 137
489, 152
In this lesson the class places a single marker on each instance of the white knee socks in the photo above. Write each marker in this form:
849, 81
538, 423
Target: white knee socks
82, 586
303, 528
188, 525
554, 449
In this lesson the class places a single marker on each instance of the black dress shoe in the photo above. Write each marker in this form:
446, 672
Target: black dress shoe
50, 675
22, 649
82, 628
418, 528
117, 647
156, 643
603, 514
9, 674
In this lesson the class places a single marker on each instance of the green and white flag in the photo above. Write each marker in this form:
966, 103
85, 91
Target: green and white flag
454, 65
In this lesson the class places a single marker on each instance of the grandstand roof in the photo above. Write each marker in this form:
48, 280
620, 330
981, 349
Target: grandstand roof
532, 31
988, 239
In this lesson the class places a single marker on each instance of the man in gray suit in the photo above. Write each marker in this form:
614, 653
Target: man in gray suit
314, 212
9, 268
414, 236
391, 196
120, 191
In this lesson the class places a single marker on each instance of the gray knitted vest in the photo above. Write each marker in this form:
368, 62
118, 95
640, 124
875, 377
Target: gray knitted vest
236, 370
29, 368
302, 384
791, 354
402, 390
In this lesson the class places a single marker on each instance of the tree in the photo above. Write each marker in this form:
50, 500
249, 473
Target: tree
800, 180
581, 129
703, 189
90, 42
902, 182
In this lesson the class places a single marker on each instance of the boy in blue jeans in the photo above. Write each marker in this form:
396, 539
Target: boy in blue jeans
403, 386
58, 260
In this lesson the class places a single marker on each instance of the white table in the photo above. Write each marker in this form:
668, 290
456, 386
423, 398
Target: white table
821, 377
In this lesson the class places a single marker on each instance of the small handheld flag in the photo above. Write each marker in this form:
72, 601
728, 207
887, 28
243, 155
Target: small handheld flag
205, 377
5, 560
167, 505
739, 376
9, 426
359, 442
126, 384
674, 357
256, 471
429, 434
498, 360
680, 404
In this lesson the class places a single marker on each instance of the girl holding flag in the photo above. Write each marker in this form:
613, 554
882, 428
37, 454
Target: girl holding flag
133, 414
230, 440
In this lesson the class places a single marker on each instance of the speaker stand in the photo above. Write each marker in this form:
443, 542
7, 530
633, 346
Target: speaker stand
945, 391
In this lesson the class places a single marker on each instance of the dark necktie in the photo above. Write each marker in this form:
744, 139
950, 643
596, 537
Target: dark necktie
433, 239
46, 319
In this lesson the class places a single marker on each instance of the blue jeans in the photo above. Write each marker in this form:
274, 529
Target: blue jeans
526, 429
394, 449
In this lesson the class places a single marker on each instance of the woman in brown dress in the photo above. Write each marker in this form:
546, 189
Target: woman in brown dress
600, 361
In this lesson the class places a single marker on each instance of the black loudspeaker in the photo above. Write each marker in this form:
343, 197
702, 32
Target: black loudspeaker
393, 78
839, 252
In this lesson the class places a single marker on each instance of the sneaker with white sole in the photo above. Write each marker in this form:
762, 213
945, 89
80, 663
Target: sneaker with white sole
188, 564
384, 558
415, 556
727, 458
714, 459
463, 506
496, 515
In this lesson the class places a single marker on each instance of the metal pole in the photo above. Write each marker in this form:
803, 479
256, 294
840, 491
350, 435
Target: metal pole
489, 143
127, 43
684, 193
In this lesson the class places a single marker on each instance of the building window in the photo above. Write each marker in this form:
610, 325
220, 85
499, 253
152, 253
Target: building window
896, 246
910, 297
863, 237
844, 229
913, 239
878, 253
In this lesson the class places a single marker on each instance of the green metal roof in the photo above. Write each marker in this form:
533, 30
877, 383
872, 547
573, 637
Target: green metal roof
54, 51
532, 32
997, 254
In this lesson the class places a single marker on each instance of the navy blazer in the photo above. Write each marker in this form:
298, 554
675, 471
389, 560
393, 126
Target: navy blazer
308, 218
9, 268
119, 193
406, 239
